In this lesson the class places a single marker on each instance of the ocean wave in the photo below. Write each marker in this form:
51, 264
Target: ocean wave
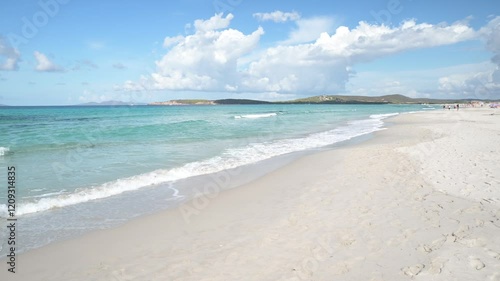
113, 188
231, 158
383, 116
255, 116
47, 194
4, 150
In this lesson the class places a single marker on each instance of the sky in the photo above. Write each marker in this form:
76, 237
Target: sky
64, 52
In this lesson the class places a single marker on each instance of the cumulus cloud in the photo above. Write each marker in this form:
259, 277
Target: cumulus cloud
277, 16
211, 58
308, 30
479, 84
214, 23
169, 41
206, 60
9, 56
324, 66
367, 42
491, 32
43, 64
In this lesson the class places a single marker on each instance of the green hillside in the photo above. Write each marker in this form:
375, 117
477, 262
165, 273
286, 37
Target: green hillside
324, 99
389, 99
240, 101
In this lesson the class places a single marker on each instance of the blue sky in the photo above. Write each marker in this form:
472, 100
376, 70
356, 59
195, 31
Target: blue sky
61, 52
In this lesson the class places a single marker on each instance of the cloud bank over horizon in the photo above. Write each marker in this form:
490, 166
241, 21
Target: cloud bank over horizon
218, 58
483, 84
269, 50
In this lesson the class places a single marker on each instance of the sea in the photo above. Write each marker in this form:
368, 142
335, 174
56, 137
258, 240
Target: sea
83, 168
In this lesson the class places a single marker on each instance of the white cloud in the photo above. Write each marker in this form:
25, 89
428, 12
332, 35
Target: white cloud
43, 63
444, 82
483, 84
367, 42
309, 29
479, 85
491, 33
219, 59
9, 54
324, 66
214, 23
169, 41
206, 60
277, 16
381, 83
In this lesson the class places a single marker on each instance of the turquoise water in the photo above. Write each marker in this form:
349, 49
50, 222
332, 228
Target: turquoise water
68, 159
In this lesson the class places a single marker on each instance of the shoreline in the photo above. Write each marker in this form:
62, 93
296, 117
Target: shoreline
377, 209
77, 219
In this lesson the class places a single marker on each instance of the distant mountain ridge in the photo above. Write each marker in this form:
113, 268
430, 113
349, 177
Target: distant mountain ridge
325, 99
387, 99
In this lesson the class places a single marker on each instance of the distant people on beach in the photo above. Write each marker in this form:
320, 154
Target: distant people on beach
457, 106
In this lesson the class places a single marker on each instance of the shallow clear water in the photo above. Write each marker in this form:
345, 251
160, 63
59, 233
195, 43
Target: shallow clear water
72, 161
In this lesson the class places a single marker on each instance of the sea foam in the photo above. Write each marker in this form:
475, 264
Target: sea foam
4, 150
255, 116
247, 153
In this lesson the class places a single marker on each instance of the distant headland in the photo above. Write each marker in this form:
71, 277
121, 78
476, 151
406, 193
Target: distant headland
323, 99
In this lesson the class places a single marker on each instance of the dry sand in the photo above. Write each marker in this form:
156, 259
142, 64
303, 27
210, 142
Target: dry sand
419, 201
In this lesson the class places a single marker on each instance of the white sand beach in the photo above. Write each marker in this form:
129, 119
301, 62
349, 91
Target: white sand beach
418, 201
